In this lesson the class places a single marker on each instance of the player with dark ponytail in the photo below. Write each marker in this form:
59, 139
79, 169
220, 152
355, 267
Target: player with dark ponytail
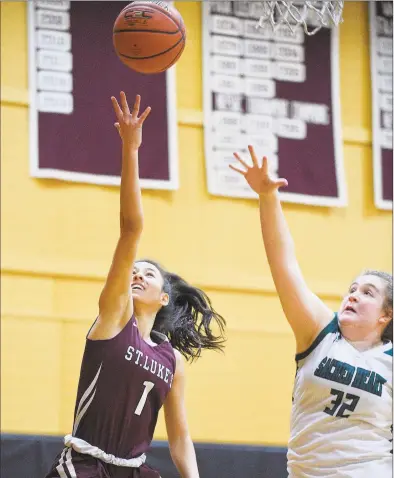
132, 364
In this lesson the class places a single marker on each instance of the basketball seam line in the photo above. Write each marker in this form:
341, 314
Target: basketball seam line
153, 56
147, 31
173, 61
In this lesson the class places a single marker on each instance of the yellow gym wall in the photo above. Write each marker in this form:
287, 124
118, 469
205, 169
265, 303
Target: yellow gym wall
58, 239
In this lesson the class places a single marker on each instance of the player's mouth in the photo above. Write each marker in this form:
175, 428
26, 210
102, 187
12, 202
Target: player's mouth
135, 287
349, 308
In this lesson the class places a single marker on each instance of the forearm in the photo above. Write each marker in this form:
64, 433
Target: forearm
131, 214
278, 243
281, 255
184, 457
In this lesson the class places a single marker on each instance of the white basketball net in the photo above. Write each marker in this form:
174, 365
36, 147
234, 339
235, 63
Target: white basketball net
311, 15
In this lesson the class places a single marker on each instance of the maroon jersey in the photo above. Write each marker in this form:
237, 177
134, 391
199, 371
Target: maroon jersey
123, 384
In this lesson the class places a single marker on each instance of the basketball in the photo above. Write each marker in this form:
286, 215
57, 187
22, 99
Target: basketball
149, 36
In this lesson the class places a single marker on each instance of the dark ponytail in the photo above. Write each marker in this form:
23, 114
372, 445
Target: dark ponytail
188, 317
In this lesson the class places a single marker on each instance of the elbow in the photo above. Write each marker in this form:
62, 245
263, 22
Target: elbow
134, 226
182, 451
177, 444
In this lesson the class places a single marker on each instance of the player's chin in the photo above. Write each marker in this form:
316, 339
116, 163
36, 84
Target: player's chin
137, 295
347, 316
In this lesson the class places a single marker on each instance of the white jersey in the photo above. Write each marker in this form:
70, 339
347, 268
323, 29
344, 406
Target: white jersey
341, 424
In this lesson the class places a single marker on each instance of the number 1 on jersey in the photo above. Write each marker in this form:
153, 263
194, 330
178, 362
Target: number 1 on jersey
148, 387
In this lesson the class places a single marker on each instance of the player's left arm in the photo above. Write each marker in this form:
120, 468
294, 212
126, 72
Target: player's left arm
179, 439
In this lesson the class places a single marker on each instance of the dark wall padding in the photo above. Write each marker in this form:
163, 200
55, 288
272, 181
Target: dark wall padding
28, 456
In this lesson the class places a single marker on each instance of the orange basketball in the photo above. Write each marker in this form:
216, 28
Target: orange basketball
149, 36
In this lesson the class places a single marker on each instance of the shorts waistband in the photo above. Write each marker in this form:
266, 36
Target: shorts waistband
81, 446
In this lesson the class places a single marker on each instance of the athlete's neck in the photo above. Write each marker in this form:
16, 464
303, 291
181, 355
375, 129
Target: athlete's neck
360, 338
363, 345
145, 323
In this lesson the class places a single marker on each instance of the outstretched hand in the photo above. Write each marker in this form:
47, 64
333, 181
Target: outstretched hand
258, 177
129, 125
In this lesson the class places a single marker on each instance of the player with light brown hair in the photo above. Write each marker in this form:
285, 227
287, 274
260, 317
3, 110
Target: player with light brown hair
341, 424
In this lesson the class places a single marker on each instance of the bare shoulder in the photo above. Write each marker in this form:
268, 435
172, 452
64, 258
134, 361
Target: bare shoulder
106, 326
180, 363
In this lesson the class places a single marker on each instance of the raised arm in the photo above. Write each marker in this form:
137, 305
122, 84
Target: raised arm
115, 303
179, 440
305, 312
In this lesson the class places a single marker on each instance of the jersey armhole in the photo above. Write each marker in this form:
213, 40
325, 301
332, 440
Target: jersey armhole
330, 328
129, 323
90, 328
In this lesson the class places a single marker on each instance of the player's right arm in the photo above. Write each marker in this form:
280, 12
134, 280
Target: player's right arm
305, 312
115, 303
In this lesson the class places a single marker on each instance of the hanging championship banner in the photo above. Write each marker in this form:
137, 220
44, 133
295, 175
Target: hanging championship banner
73, 72
278, 92
381, 40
